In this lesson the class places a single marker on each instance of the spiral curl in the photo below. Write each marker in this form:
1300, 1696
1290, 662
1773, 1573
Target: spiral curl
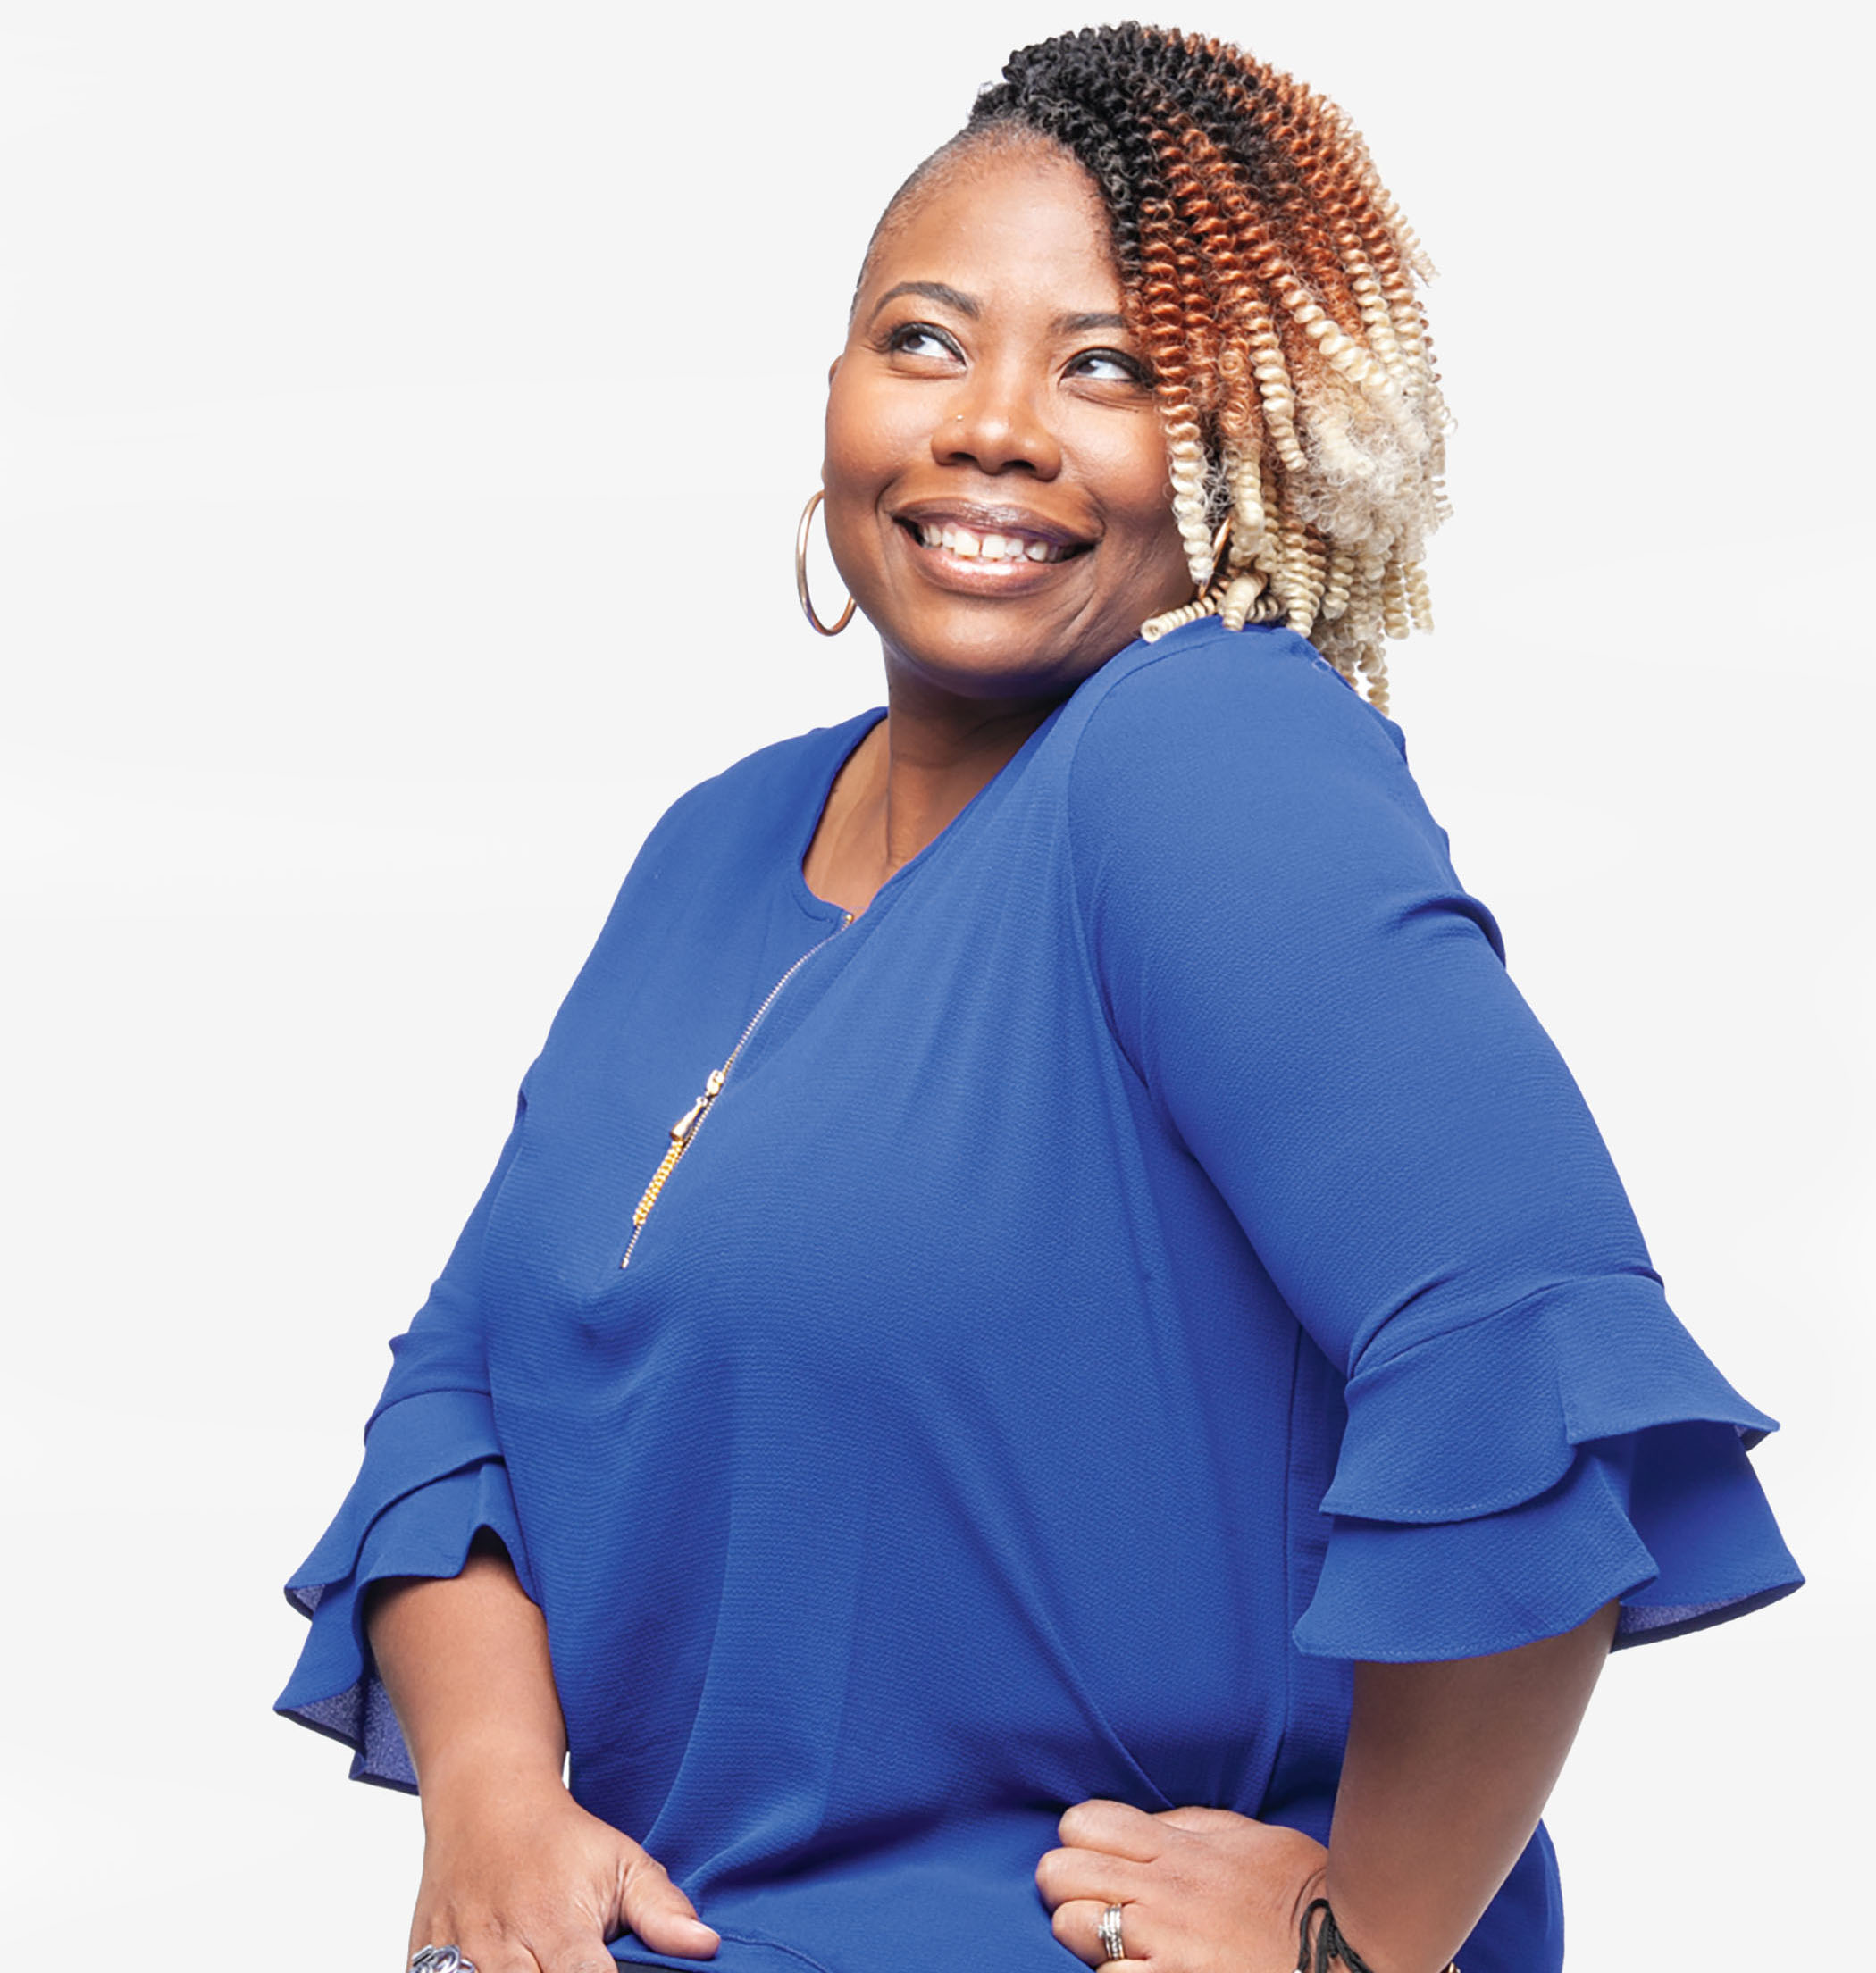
1271, 282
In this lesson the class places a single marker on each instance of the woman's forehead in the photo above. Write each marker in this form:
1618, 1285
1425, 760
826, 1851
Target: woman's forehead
1004, 226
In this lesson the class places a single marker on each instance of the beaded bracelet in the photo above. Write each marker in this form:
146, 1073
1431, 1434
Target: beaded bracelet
1332, 1948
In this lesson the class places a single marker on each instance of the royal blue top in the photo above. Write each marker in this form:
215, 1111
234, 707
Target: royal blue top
1149, 1259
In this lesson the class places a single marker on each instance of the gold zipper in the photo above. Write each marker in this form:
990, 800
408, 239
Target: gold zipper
684, 1132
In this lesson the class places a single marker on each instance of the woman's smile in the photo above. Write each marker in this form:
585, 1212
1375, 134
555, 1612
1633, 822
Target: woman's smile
987, 550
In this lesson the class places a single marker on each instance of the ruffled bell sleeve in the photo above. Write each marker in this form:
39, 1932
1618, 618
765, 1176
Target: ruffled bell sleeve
1321, 1011
433, 1479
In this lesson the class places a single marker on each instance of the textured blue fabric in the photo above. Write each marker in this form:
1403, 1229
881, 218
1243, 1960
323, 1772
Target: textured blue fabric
1149, 1258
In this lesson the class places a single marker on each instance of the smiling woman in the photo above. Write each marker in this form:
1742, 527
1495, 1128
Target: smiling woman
1137, 1406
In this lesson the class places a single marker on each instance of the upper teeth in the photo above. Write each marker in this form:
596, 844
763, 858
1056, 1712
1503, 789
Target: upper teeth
987, 547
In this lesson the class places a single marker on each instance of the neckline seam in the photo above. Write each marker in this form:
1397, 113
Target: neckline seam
801, 841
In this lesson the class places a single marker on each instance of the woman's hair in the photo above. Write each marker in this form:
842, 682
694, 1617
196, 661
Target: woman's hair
1271, 280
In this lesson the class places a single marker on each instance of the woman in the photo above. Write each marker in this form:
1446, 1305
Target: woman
1133, 1351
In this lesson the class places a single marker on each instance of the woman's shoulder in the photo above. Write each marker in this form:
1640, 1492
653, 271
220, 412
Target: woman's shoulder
1204, 693
1226, 772
1249, 736
759, 796
731, 840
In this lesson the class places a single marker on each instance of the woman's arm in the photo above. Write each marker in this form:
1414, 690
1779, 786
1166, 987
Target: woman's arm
516, 1872
1447, 1770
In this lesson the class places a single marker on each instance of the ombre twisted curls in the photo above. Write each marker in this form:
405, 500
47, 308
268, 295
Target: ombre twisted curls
1271, 282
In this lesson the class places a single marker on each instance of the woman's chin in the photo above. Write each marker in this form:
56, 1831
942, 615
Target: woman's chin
1005, 627
984, 655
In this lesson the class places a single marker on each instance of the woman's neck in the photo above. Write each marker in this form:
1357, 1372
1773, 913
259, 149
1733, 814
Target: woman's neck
904, 784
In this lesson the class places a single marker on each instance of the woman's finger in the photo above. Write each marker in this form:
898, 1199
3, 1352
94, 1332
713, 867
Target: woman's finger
1077, 1926
1099, 1874
566, 1951
488, 1948
660, 1915
1115, 1827
1203, 1822
544, 1944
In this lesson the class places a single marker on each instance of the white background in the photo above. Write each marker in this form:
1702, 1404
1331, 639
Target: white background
405, 411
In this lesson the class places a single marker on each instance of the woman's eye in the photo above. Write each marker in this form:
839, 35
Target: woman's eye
1109, 366
917, 339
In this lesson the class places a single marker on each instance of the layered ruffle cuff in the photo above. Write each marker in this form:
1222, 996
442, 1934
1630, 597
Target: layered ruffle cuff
433, 1479
1503, 1482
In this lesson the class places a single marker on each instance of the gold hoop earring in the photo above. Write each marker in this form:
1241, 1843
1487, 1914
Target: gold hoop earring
1217, 550
846, 617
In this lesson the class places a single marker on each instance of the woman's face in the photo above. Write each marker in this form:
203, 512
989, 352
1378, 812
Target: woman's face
998, 497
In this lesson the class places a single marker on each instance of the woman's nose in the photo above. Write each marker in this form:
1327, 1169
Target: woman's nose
997, 424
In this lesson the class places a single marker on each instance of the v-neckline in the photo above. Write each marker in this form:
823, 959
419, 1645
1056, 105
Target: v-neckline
822, 787
819, 789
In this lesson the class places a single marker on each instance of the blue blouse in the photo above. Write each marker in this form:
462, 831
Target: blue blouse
1150, 1258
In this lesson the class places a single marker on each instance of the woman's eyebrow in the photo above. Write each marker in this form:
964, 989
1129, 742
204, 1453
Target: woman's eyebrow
932, 290
1076, 325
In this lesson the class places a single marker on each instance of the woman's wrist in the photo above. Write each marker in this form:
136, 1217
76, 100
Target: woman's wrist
1361, 1926
484, 1767
1330, 1941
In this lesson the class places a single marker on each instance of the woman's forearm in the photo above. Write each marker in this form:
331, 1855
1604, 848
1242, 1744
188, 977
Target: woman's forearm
465, 1661
1447, 1770
510, 1860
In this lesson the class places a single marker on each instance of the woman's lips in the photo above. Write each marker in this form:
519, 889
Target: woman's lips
985, 559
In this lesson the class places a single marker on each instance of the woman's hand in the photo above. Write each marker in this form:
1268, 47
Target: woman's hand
523, 1880
1201, 1890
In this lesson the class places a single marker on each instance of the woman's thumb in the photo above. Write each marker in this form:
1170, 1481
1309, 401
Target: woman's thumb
661, 1916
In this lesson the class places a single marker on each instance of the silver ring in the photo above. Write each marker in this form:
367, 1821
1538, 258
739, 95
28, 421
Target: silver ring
1112, 1946
440, 1959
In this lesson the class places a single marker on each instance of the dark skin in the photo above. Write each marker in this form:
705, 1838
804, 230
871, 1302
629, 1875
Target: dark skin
987, 385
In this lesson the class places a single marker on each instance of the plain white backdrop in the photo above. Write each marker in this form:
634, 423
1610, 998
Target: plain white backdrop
404, 409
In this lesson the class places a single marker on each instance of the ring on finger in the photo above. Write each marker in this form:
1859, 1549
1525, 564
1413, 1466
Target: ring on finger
1113, 1946
440, 1959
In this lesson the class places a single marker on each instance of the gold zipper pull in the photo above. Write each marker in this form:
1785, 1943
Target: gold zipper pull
682, 1133
681, 1130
